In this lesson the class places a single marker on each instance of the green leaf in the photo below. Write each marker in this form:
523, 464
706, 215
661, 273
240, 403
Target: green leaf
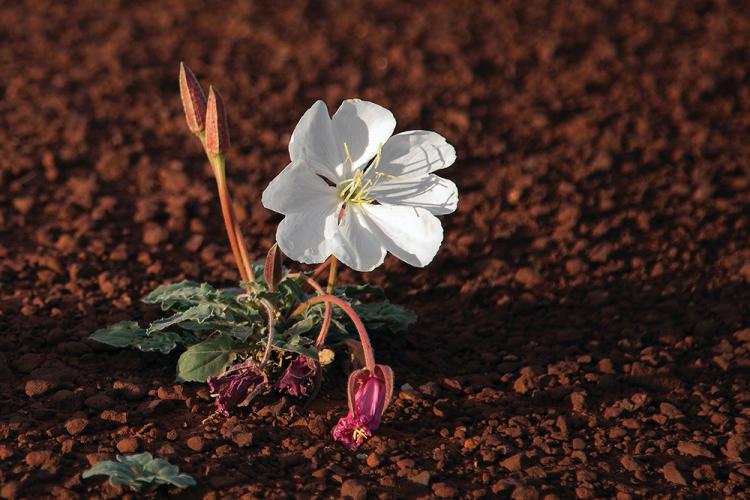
182, 295
120, 334
384, 315
354, 291
196, 314
140, 471
129, 334
207, 358
163, 342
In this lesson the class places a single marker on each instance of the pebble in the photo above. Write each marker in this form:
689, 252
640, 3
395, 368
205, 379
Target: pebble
196, 443
673, 474
423, 478
353, 489
514, 463
36, 388
444, 490
75, 426
128, 445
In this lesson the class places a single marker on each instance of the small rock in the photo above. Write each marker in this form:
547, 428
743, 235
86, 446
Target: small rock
75, 426
195, 443
38, 458
129, 390
578, 401
671, 411
692, 449
242, 439
673, 474
352, 489
422, 479
514, 463
743, 335
735, 448
444, 490
528, 277
373, 460
10, 490
522, 492
630, 464
128, 445
37, 387
154, 234
430, 389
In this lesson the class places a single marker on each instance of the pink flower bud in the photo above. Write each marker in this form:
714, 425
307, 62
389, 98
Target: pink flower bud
193, 100
217, 129
369, 395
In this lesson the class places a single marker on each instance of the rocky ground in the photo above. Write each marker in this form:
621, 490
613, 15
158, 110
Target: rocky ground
584, 331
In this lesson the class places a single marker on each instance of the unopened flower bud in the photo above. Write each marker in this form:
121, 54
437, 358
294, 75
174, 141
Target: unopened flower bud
217, 129
193, 100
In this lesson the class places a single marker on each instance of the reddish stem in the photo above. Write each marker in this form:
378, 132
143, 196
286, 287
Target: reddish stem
326, 318
361, 330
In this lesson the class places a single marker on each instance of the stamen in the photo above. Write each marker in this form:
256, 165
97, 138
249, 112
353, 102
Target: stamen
359, 435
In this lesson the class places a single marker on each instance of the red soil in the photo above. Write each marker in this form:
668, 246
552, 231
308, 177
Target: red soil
584, 329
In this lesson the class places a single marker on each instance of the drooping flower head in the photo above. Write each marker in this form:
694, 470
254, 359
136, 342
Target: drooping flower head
298, 377
237, 386
354, 191
369, 395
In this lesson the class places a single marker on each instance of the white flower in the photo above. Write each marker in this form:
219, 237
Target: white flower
383, 184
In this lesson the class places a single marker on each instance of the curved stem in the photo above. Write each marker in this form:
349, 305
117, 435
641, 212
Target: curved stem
327, 316
361, 330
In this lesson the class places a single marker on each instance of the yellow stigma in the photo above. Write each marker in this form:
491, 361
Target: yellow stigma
359, 434
357, 189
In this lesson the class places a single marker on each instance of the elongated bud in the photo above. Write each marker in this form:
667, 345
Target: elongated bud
193, 100
217, 129
272, 269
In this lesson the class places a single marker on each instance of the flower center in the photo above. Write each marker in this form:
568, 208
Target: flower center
357, 189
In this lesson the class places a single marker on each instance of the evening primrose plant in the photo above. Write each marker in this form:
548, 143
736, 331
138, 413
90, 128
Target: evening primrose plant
351, 193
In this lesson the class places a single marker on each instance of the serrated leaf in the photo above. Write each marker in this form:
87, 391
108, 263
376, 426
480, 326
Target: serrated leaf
140, 471
120, 334
379, 315
181, 295
196, 314
207, 358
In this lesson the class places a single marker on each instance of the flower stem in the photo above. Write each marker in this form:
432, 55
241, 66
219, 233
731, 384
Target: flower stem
236, 240
321, 268
361, 330
332, 275
320, 341
271, 312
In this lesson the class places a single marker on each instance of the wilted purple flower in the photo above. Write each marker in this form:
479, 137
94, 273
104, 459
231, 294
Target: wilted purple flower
237, 386
297, 378
366, 405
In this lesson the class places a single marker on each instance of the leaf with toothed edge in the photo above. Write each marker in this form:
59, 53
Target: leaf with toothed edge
207, 358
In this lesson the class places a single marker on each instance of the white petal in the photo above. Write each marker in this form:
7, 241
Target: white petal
295, 188
416, 153
363, 126
305, 236
355, 244
314, 140
433, 193
412, 234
